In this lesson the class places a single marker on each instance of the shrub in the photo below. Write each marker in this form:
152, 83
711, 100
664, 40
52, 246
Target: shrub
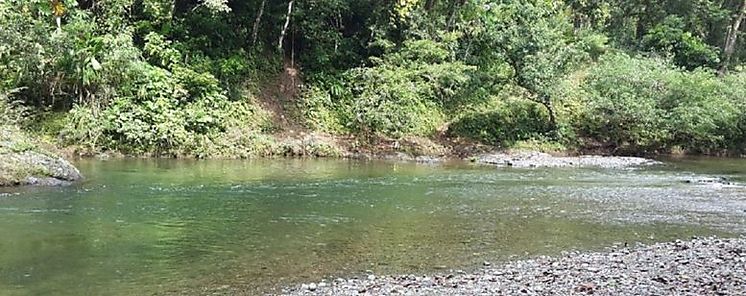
644, 105
735, 91
326, 105
622, 104
404, 93
390, 103
688, 51
11, 111
503, 122
162, 112
162, 109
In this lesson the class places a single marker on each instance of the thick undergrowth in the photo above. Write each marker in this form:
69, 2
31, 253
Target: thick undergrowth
237, 79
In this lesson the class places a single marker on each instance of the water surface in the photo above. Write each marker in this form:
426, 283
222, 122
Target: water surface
161, 227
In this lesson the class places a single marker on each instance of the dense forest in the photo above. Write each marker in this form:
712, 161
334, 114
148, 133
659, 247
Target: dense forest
224, 78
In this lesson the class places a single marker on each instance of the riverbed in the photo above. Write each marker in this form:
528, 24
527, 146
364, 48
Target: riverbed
172, 227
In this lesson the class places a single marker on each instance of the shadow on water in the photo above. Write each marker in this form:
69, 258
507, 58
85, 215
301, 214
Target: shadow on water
174, 227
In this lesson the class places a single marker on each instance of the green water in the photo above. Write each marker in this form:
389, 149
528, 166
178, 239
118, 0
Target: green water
163, 227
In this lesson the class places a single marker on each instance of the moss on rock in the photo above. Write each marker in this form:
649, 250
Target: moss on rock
23, 162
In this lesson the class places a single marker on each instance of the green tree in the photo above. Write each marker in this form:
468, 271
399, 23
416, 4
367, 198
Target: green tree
533, 40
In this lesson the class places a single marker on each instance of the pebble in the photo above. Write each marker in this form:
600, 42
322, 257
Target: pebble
703, 266
538, 160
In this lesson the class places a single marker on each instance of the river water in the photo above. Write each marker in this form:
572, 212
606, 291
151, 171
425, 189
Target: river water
172, 227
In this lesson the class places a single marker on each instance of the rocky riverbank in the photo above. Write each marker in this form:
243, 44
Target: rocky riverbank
704, 266
538, 159
24, 162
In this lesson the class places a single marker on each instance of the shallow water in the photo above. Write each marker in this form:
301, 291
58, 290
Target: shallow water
161, 227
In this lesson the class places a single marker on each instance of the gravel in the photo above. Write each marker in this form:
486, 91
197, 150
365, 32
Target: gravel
538, 159
703, 266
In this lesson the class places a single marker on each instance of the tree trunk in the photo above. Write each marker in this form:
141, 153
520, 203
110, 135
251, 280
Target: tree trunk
731, 39
577, 23
640, 28
429, 4
258, 20
547, 103
285, 27
454, 13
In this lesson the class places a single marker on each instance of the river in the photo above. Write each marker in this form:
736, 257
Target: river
172, 227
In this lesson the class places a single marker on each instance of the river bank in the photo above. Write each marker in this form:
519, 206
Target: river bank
24, 162
408, 149
530, 159
703, 266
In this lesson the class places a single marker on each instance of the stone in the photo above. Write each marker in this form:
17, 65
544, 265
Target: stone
647, 270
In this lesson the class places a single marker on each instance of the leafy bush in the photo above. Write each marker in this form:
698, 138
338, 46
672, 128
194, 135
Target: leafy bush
688, 50
734, 89
160, 107
646, 105
55, 69
622, 104
326, 106
12, 139
503, 123
160, 111
390, 103
404, 93
11, 111
594, 44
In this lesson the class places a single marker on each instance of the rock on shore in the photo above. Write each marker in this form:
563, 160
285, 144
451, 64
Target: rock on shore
22, 162
538, 159
707, 266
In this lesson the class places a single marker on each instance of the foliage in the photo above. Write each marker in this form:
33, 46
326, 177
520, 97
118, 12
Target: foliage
503, 122
327, 106
622, 104
532, 39
687, 50
647, 105
185, 78
164, 110
539, 144
404, 93
11, 111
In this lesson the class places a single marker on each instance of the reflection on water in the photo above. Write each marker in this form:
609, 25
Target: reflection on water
197, 227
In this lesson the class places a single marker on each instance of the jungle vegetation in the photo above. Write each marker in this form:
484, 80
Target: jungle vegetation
207, 78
